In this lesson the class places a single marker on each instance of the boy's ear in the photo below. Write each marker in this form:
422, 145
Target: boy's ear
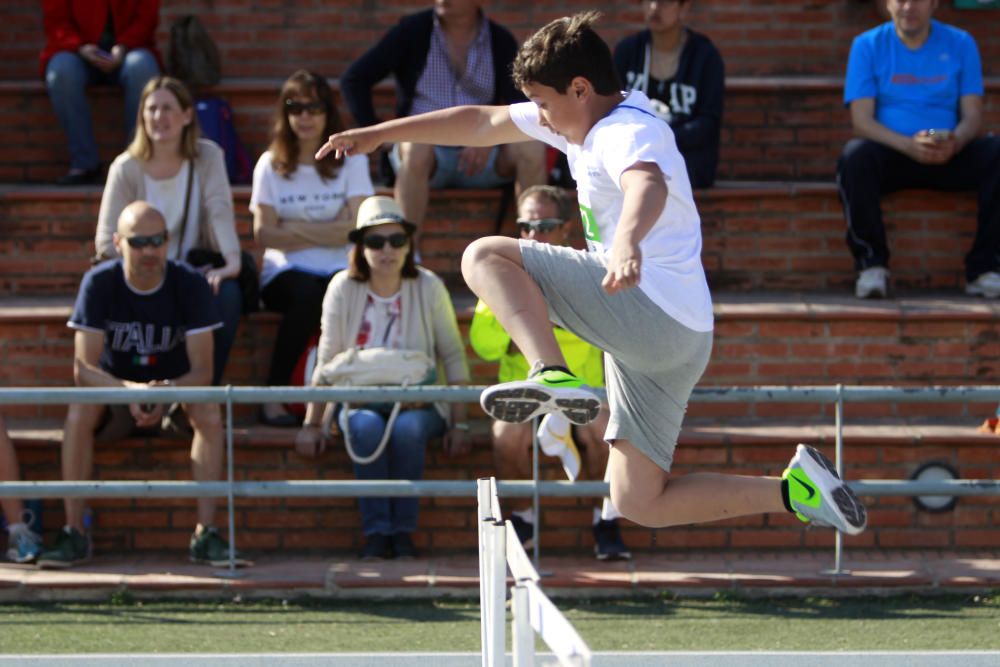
580, 88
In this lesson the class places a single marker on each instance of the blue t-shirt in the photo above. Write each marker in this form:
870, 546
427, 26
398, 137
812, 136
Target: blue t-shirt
144, 332
914, 89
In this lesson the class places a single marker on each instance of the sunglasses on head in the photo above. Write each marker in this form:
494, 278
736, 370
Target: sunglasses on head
377, 241
294, 108
154, 240
542, 226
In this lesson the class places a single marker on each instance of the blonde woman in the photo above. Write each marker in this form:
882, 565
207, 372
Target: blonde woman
181, 175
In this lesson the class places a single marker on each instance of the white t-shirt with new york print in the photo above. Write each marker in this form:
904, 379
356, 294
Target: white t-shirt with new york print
672, 275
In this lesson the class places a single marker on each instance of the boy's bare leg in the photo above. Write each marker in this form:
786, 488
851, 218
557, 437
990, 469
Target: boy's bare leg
13, 508
493, 269
207, 452
647, 495
412, 189
78, 454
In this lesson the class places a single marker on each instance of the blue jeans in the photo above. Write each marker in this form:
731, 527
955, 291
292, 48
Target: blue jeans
403, 458
67, 77
229, 301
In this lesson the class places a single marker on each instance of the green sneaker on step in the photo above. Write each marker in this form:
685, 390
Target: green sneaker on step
818, 495
209, 548
72, 548
546, 390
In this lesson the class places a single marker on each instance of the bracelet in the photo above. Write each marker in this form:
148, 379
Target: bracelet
461, 426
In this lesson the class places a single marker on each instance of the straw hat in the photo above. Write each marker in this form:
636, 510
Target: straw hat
378, 210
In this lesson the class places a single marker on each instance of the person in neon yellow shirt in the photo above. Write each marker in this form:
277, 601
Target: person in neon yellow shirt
543, 212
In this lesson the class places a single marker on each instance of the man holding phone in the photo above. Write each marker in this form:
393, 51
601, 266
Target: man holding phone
91, 42
914, 88
141, 321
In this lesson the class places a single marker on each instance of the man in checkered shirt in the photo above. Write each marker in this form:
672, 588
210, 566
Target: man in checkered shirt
443, 57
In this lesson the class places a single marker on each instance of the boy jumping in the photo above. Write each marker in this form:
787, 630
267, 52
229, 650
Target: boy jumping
638, 292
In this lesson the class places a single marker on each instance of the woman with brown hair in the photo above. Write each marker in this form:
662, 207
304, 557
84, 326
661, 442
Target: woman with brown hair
303, 210
384, 300
184, 177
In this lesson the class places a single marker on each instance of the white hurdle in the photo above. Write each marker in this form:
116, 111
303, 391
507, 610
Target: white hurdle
531, 610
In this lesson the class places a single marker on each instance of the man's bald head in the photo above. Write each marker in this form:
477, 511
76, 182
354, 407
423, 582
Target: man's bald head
140, 219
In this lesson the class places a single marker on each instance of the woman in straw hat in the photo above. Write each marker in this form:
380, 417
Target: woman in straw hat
385, 300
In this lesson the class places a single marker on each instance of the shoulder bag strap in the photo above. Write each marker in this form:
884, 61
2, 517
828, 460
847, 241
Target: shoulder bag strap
187, 204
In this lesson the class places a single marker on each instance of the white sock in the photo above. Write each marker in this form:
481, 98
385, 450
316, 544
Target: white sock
608, 511
526, 515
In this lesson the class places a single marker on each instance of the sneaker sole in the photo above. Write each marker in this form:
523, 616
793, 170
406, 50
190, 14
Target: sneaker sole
239, 562
60, 565
838, 496
518, 402
604, 558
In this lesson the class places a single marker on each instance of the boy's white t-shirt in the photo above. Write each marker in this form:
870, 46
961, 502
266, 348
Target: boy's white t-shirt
306, 196
672, 275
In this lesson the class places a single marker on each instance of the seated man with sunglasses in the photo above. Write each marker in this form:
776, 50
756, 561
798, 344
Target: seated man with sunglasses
141, 321
542, 214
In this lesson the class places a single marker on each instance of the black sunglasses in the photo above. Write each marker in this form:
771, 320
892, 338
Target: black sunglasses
377, 241
542, 226
294, 108
154, 240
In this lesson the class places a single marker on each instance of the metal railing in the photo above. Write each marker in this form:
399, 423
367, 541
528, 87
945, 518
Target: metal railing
229, 396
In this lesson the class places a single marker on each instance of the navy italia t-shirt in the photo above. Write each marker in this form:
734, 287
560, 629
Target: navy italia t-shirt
144, 332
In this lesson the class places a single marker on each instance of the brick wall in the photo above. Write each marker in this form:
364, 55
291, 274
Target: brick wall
769, 237
275, 525
269, 38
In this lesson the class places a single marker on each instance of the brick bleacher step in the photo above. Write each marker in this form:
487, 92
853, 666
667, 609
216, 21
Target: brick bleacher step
760, 339
873, 449
757, 235
773, 127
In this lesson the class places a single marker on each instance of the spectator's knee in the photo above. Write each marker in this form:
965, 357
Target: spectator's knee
205, 418
416, 159
83, 418
857, 152
64, 73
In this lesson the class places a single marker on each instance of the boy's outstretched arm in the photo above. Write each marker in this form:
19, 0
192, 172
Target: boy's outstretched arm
645, 195
456, 126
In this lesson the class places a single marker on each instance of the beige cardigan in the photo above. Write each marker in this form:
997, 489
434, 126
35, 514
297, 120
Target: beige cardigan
434, 331
127, 183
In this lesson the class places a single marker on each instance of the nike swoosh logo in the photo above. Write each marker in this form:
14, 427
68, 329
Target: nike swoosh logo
807, 487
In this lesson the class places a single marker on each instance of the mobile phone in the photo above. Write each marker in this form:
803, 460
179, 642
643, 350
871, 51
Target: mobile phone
102, 54
939, 135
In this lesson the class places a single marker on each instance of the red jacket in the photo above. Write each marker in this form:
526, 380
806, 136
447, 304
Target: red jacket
69, 24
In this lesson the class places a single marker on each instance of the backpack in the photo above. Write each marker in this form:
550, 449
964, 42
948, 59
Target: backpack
194, 57
215, 119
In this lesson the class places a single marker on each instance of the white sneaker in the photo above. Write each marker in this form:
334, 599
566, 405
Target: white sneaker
987, 284
555, 437
872, 283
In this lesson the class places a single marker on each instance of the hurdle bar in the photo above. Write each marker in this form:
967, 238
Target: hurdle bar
531, 610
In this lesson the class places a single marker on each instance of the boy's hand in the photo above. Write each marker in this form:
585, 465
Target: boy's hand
359, 141
623, 268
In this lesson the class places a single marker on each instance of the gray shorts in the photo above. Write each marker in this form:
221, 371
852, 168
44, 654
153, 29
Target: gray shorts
651, 361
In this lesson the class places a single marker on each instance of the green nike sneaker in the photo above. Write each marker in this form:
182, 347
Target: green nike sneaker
819, 496
545, 391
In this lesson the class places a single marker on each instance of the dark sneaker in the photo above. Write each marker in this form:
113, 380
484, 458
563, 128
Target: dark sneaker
23, 544
210, 548
402, 546
72, 547
608, 543
377, 547
525, 531
548, 390
819, 496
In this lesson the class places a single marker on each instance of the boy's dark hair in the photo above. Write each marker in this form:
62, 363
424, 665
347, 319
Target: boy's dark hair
564, 49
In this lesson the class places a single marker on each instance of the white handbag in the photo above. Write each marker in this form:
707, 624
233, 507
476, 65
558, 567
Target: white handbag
375, 366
